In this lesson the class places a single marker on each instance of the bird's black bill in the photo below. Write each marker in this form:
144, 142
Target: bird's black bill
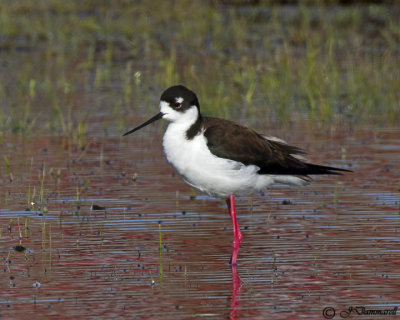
155, 118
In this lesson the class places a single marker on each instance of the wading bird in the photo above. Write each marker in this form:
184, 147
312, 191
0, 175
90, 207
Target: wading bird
222, 158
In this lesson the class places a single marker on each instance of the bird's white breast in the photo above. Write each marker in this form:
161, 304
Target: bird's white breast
204, 171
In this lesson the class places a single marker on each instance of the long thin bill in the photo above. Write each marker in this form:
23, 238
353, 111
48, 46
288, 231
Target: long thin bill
155, 118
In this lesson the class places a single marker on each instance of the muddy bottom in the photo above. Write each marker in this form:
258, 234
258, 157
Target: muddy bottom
110, 231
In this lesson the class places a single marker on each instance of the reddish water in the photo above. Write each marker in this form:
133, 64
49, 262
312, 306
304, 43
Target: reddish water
334, 243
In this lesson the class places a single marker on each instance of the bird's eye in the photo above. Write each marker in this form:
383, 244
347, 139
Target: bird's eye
177, 105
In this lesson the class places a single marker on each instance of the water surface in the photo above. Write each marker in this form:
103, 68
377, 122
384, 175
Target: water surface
122, 236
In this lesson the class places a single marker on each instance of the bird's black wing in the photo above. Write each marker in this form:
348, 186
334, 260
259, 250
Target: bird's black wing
230, 140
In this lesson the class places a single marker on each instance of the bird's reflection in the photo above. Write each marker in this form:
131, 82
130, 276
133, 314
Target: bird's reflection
235, 297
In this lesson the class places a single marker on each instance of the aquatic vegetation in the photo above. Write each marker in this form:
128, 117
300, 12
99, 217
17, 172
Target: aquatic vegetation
324, 62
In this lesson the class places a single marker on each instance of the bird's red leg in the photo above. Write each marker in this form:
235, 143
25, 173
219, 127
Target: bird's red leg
237, 235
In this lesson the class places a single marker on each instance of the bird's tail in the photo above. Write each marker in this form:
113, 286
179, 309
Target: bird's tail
318, 169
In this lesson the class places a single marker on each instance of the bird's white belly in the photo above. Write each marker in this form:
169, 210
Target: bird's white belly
204, 171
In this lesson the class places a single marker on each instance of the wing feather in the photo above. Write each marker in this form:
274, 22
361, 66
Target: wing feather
229, 140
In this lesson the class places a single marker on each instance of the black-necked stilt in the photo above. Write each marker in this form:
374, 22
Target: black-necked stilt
224, 159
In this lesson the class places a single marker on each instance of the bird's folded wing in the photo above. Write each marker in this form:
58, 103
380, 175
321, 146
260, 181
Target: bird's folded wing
229, 140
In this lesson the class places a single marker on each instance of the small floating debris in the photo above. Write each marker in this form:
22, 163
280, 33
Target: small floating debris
96, 207
19, 248
36, 284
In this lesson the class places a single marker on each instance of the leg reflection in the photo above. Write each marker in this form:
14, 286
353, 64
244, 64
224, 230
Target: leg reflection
236, 286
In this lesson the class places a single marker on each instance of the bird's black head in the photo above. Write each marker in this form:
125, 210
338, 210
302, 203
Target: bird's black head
177, 103
180, 98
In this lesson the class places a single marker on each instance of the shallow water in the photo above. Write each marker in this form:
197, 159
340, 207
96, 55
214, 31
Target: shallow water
154, 250
96, 226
